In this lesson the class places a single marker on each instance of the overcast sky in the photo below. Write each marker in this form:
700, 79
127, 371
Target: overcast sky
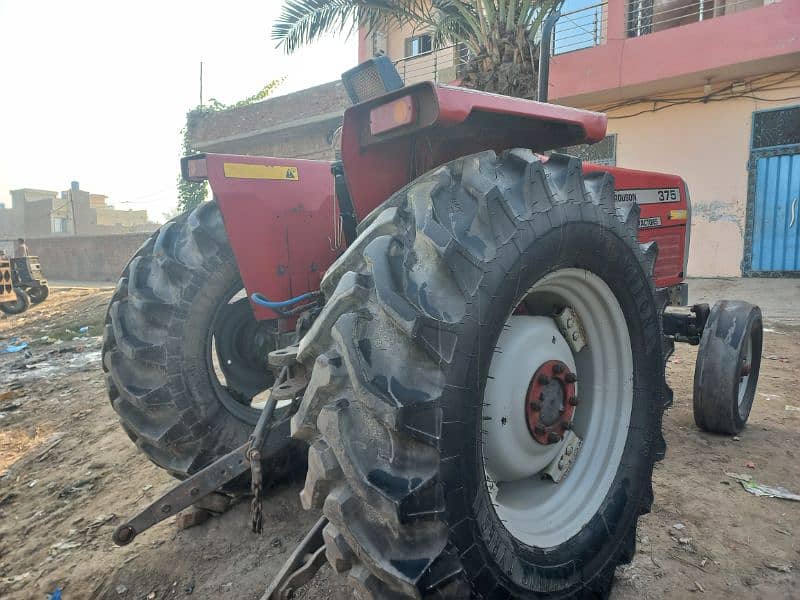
97, 91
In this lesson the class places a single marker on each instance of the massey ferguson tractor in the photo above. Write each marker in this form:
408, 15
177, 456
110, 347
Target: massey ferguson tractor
463, 337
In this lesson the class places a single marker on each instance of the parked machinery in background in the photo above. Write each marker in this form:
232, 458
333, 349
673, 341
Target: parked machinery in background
27, 275
13, 299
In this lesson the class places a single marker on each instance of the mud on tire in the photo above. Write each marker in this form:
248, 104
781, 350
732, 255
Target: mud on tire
400, 357
156, 350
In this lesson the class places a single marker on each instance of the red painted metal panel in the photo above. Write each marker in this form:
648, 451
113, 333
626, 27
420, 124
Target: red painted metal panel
452, 122
280, 229
670, 235
456, 104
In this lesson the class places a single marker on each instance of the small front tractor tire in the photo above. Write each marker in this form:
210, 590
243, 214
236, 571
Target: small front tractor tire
19, 306
440, 353
727, 367
166, 334
39, 293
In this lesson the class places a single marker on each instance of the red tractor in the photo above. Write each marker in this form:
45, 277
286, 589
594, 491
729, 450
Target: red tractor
466, 337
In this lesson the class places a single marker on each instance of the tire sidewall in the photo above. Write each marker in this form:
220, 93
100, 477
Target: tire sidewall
754, 328
519, 567
717, 372
22, 303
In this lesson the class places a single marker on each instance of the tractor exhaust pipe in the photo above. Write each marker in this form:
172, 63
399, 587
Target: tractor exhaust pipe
544, 52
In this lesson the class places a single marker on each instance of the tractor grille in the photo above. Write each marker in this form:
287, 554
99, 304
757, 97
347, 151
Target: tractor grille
670, 250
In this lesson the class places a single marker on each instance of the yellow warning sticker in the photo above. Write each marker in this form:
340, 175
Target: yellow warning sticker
245, 171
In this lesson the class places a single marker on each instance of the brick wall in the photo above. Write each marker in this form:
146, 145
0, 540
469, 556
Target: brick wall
298, 125
210, 129
85, 258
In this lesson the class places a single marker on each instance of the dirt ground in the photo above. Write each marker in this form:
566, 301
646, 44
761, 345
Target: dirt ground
69, 475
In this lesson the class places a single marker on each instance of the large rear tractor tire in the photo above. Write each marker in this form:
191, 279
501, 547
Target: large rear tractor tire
183, 354
727, 367
19, 306
485, 406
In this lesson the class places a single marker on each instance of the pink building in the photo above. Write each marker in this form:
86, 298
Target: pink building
707, 89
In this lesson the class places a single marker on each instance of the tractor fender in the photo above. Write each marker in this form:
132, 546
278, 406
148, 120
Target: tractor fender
281, 219
440, 123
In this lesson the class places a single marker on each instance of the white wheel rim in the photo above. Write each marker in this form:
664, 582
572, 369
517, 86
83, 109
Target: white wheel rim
748, 362
537, 511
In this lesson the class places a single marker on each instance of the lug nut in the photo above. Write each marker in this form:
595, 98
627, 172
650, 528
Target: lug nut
573, 401
570, 378
536, 406
544, 379
558, 368
553, 437
539, 429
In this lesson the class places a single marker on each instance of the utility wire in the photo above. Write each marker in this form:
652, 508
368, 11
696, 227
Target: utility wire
719, 95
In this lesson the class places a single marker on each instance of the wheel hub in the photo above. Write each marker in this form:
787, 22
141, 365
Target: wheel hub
546, 482
550, 402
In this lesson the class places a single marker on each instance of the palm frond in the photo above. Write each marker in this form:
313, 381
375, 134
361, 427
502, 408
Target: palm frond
456, 22
304, 21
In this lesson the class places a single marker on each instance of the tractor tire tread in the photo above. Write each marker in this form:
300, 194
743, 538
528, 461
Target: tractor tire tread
385, 498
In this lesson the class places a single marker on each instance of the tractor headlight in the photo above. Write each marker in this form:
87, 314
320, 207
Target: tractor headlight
370, 79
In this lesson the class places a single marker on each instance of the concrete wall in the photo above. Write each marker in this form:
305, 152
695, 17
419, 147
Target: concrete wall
106, 215
709, 146
85, 258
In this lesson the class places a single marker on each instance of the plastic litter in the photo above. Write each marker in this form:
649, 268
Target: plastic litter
759, 489
790, 408
56, 595
84, 329
15, 346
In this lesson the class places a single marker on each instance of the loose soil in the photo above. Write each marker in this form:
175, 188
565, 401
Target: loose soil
69, 475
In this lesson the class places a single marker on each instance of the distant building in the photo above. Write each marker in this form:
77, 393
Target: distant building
44, 213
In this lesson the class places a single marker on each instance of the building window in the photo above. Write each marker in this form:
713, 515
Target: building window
779, 127
59, 225
649, 16
603, 152
419, 44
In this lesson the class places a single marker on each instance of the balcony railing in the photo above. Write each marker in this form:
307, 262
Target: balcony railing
650, 16
582, 28
441, 66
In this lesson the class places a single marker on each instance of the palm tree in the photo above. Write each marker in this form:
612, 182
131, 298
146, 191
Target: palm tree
501, 36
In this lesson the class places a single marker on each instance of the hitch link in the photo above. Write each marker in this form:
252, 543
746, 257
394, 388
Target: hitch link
301, 565
185, 494
207, 480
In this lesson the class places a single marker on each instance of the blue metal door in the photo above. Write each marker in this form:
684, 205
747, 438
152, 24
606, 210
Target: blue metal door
776, 214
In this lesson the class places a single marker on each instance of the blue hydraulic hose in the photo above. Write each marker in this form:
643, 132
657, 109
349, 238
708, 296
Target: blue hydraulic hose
262, 301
